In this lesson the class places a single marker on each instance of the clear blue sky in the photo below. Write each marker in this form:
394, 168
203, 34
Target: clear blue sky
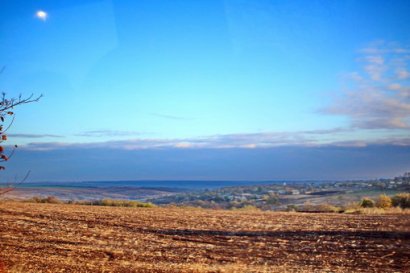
211, 74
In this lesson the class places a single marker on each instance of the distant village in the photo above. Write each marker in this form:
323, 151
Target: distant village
280, 195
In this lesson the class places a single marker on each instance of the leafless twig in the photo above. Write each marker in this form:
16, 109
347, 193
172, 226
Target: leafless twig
13, 186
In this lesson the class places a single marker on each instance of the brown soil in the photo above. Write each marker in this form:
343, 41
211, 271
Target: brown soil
69, 238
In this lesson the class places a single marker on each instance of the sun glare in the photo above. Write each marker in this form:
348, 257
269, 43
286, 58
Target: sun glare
42, 15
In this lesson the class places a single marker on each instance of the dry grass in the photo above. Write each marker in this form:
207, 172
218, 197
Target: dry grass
71, 238
379, 211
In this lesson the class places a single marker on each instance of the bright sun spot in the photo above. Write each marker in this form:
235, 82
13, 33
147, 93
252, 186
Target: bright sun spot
42, 15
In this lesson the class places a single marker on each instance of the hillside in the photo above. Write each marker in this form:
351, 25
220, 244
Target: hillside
71, 238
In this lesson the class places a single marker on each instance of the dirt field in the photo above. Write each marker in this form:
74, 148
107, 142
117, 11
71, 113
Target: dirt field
68, 238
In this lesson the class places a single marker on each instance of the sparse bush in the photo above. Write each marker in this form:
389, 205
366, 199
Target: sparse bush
352, 207
328, 208
308, 207
249, 208
401, 200
271, 199
48, 199
367, 203
103, 202
383, 201
378, 211
291, 208
52, 200
121, 203
34, 199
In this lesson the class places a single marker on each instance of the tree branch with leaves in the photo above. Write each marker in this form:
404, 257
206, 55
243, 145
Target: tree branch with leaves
6, 112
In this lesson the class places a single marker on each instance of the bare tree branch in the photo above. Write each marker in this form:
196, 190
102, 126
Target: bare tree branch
7, 104
13, 186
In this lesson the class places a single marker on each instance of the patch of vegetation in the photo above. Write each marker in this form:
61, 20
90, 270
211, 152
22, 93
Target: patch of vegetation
48, 199
395, 204
102, 202
325, 196
367, 203
117, 203
401, 200
248, 208
399, 203
318, 208
383, 201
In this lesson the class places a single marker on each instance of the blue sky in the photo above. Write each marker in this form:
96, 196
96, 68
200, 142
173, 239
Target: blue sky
199, 75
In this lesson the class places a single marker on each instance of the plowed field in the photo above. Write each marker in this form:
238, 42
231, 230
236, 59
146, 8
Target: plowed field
70, 238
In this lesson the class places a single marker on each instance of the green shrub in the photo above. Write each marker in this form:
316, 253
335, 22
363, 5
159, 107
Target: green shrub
367, 203
383, 201
401, 200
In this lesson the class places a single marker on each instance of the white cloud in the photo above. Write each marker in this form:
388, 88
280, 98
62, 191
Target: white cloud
376, 59
312, 138
379, 94
25, 135
402, 74
394, 86
183, 145
108, 133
